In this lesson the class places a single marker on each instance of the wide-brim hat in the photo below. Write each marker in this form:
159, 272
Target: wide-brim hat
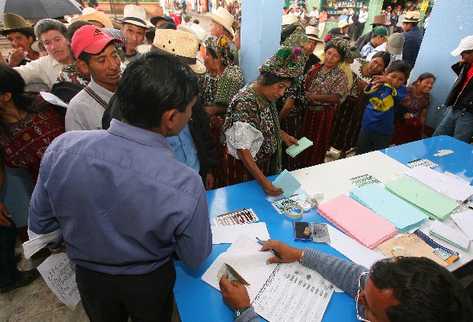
154, 20
224, 18
395, 44
313, 33
464, 45
13, 22
98, 16
412, 16
182, 44
135, 15
343, 24
289, 20
379, 20
195, 29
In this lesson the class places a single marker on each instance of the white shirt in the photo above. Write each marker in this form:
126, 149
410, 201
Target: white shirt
45, 70
383, 47
363, 17
84, 112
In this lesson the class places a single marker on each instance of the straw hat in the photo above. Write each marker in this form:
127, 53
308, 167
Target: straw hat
313, 33
135, 15
94, 15
13, 22
224, 18
181, 44
289, 20
195, 29
412, 16
395, 43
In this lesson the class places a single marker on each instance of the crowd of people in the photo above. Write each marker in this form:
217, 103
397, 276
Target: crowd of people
158, 111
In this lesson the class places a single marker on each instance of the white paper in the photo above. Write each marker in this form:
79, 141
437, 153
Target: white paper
447, 184
294, 293
333, 178
59, 275
53, 99
352, 249
247, 259
464, 220
229, 234
32, 246
450, 235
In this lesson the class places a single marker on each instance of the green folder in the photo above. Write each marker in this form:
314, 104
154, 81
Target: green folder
433, 202
301, 145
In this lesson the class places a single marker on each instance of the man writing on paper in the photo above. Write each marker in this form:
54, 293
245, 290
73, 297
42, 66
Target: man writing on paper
122, 201
407, 289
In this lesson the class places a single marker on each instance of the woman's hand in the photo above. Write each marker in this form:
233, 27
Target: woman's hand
288, 139
271, 190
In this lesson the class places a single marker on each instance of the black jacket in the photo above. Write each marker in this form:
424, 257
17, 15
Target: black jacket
457, 97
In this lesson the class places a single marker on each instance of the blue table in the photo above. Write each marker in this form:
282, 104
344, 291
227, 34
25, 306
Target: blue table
199, 302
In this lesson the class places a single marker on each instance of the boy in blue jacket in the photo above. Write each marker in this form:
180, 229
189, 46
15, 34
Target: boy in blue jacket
377, 126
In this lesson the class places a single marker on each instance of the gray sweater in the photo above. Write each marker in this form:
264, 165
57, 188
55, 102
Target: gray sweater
342, 273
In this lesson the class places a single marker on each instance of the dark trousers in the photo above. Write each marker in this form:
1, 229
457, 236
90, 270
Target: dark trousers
371, 141
8, 272
114, 298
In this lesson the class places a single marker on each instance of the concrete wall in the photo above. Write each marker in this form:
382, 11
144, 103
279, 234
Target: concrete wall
260, 34
451, 20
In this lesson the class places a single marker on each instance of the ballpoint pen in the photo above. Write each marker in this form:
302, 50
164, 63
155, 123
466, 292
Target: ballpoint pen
275, 252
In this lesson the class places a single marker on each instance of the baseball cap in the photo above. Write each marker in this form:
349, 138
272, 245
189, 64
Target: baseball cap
380, 31
89, 39
465, 44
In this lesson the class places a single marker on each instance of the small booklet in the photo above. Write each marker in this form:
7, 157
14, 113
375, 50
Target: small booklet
238, 217
295, 149
317, 233
287, 182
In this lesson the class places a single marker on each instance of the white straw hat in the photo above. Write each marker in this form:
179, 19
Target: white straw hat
289, 20
312, 33
465, 44
224, 18
181, 44
135, 15
195, 29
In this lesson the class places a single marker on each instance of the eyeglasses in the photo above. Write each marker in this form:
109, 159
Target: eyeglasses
357, 300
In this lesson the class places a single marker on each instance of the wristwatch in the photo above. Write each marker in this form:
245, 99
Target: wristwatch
239, 312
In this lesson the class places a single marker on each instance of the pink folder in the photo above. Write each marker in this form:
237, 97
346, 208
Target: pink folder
357, 221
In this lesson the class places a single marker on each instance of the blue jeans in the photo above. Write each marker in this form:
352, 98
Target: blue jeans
457, 123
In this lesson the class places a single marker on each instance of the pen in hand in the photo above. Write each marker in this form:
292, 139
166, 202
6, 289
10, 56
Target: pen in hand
275, 252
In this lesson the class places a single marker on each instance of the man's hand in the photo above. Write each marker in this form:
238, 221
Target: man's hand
16, 57
288, 139
286, 254
4, 216
234, 294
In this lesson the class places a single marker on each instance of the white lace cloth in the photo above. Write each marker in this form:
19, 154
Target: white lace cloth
243, 136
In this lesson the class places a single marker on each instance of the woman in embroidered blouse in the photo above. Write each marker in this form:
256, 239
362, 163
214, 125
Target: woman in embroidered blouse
253, 134
326, 86
27, 126
410, 126
347, 121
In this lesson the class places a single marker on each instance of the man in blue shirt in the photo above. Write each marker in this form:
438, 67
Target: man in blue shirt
125, 206
412, 37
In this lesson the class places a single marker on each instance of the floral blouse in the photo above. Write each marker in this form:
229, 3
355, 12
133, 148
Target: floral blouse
252, 123
321, 82
221, 89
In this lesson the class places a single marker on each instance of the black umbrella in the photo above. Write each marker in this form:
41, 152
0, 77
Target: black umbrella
38, 9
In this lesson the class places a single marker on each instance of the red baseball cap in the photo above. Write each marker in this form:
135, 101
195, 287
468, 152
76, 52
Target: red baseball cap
89, 39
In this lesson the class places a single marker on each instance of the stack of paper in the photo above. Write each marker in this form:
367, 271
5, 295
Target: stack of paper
229, 234
464, 220
398, 211
435, 203
446, 183
287, 182
450, 235
357, 221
